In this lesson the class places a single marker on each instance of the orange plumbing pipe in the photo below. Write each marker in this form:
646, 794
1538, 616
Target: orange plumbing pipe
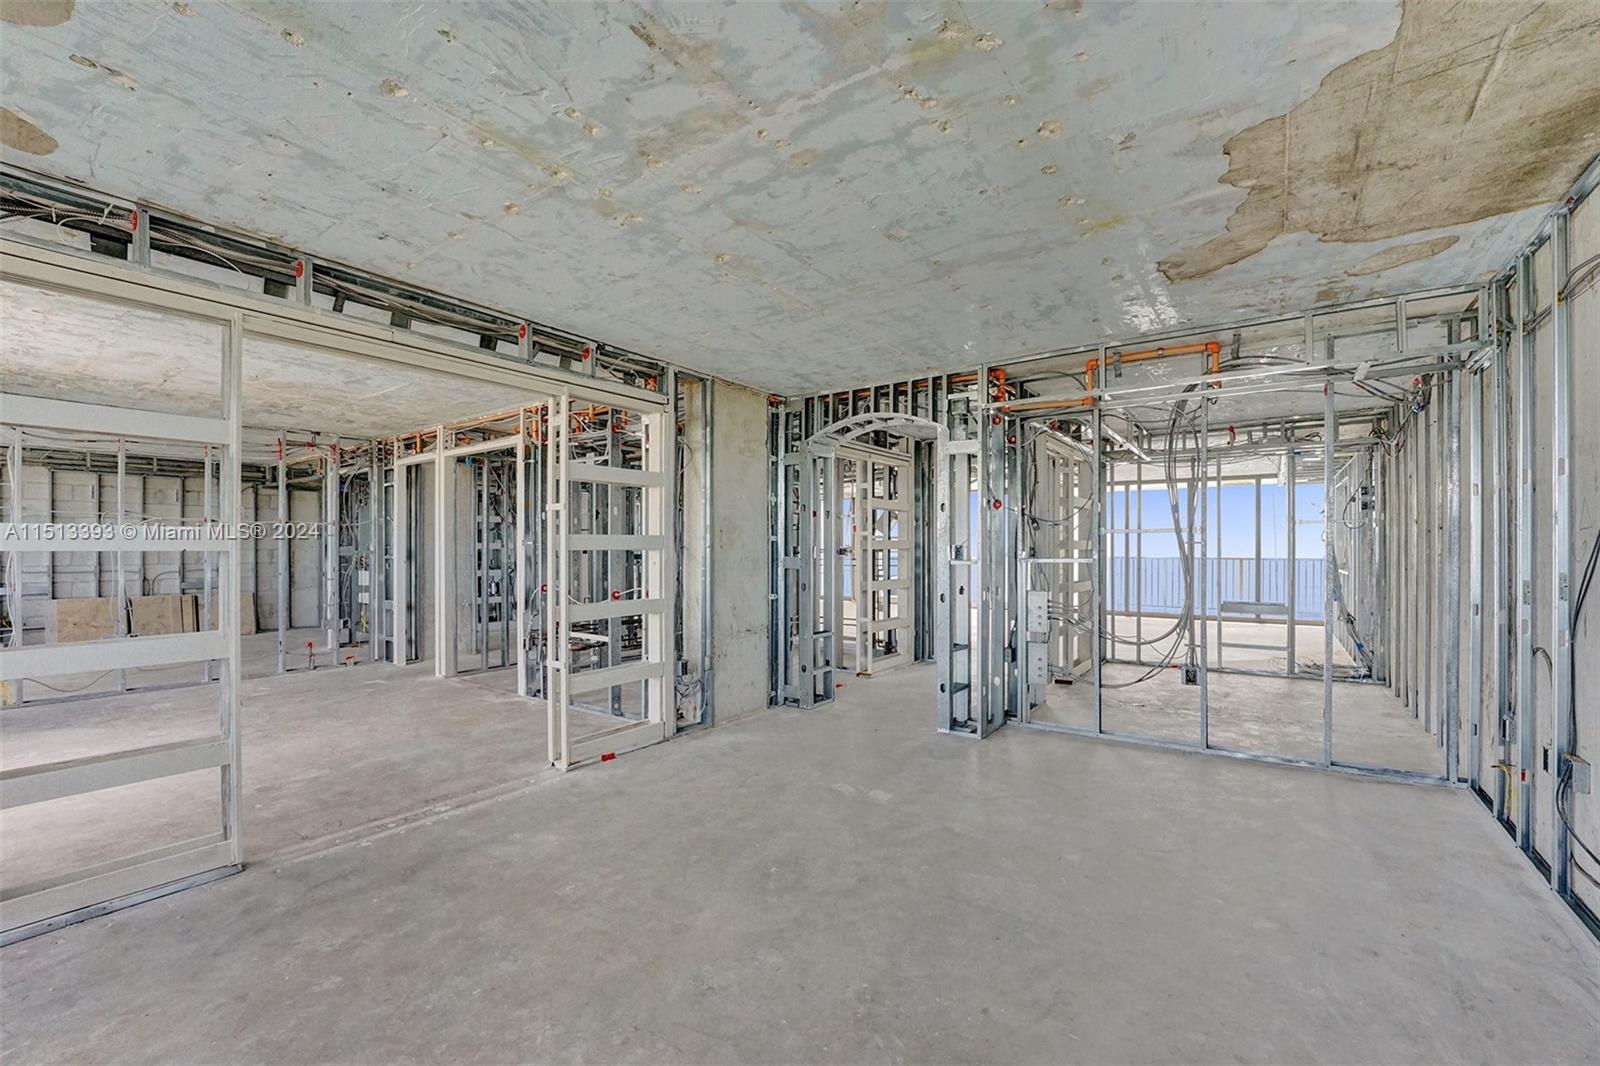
1211, 348
1092, 366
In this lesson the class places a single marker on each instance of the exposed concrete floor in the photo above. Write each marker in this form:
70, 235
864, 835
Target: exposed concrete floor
1265, 715
327, 753
844, 885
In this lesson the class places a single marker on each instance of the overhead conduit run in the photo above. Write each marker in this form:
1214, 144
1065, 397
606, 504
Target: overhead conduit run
1092, 367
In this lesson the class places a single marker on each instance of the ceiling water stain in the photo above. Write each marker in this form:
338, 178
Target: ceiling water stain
393, 89
1401, 254
1100, 225
695, 60
17, 132
855, 36
943, 46
36, 12
703, 126
1472, 111
1094, 87
804, 158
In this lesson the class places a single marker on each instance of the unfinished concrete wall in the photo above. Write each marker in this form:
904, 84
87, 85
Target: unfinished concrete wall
739, 550
738, 541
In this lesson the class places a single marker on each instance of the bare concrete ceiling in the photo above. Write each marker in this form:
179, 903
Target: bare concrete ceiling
803, 196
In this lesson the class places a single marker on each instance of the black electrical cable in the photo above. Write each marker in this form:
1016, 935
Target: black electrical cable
1564, 783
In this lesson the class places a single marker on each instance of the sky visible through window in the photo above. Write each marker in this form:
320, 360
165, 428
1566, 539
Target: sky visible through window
1230, 520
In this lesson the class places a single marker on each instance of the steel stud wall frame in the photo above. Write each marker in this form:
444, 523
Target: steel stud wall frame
31, 909
1459, 589
244, 315
804, 507
645, 550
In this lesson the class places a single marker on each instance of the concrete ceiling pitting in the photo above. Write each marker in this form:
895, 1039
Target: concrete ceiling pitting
802, 196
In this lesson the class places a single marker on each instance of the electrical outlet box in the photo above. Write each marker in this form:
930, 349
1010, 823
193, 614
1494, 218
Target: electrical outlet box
1039, 613
1582, 774
1038, 663
1191, 675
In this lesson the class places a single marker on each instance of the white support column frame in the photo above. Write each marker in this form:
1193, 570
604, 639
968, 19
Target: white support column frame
281, 555
654, 547
375, 566
1330, 439
444, 556
229, 484
399, 568
519, 552
555, 577
330, 544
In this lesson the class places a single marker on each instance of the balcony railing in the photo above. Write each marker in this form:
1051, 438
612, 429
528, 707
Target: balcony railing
1157, 584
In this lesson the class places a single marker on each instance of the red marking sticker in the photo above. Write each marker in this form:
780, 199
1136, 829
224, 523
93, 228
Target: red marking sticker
608, 756
587, 351
135, 220
616, 594
522, 332
299, 268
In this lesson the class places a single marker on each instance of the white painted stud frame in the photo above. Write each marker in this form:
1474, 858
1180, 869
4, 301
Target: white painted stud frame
32, 908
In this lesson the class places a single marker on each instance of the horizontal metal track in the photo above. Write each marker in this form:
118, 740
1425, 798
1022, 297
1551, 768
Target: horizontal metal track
587, 471
73, 777
97, 277
118, 653
594, 680
42, 413
108, 882
615, 542
614, 741
589, 612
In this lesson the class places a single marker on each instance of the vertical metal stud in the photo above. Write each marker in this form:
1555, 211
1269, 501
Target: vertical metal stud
1526, 766
1561, 555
